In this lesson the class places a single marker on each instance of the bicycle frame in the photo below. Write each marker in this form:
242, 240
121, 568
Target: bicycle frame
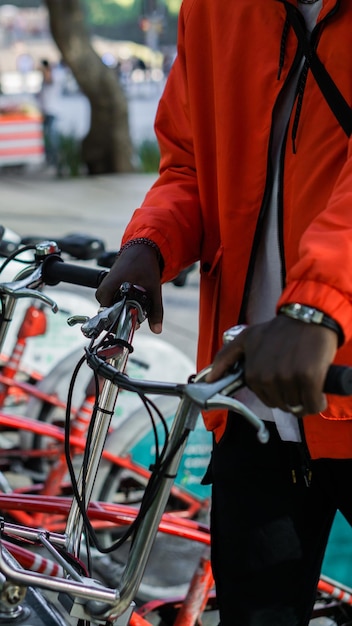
57, 433
82, 596
190, 504
112, 605
149, 526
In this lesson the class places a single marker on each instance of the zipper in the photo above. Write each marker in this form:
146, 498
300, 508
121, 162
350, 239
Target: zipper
265, 201
280, 209
303, 449
315, 36
266, 196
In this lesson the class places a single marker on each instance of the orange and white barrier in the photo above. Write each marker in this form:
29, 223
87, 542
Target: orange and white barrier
21, 139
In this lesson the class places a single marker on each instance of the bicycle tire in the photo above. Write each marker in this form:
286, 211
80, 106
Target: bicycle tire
179, 556
109, 483
110, 478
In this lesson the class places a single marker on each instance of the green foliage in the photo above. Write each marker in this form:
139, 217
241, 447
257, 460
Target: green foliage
173, 6
69, 156
110, 12
149, 156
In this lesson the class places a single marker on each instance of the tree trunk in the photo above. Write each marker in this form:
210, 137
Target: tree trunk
107, 148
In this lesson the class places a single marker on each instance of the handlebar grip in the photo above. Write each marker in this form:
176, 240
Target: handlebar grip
339, 380
55, 270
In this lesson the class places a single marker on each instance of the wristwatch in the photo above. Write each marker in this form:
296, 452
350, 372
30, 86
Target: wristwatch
310, 315
230, 334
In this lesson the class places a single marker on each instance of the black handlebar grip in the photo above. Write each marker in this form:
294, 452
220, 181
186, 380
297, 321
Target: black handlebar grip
339, 380
55, 270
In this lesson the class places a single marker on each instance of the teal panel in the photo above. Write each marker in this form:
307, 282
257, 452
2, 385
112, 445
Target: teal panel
338, 557
194, 461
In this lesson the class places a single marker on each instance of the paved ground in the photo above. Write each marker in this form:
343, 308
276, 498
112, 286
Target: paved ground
38, 203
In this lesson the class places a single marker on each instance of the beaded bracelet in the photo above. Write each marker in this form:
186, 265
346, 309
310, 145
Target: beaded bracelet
146, 242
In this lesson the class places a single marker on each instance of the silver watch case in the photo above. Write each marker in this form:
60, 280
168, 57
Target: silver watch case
233, 332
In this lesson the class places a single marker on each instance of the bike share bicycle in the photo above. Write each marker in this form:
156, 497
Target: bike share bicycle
110, 335
34, 280
36, 341
133, 438
115, 479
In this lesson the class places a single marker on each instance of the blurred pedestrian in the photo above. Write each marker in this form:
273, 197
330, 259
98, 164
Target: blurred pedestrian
49, 101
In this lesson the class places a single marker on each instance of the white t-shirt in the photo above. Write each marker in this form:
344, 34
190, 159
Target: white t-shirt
50, 94
266, 283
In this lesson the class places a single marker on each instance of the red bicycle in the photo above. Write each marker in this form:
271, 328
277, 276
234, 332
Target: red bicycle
90, 525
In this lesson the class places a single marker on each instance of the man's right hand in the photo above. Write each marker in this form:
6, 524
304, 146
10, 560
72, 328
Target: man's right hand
138, 265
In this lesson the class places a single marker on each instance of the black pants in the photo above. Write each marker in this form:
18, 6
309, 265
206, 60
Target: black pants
269, 531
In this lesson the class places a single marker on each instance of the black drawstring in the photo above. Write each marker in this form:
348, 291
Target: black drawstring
283, 47
300, 91
301, 81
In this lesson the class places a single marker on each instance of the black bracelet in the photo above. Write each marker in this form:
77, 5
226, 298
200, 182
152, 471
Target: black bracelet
310, 315
146, 242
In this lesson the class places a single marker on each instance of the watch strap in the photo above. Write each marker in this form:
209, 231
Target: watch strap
310, 315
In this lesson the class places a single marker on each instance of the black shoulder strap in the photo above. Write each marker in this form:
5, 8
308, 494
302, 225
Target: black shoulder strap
331, 93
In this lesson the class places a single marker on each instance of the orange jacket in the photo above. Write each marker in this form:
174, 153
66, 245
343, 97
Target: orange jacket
214, 126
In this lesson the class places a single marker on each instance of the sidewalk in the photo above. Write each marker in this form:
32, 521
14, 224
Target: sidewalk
38, 203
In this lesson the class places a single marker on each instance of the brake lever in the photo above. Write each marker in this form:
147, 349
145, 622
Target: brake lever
220, 402
215, 395
22, 289
200, 391
104, 319
107, 317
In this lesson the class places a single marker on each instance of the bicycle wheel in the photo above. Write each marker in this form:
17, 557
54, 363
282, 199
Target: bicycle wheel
173, 559
148, 361
43, 352
132, 436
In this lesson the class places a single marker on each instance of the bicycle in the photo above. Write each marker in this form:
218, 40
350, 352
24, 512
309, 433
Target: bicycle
121, 479
124, 470
45, 403
108, 357
23, 356
5, 525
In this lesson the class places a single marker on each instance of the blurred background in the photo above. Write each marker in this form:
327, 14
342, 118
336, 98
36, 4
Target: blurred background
80, 82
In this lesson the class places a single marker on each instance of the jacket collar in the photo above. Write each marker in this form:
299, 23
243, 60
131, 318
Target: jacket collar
328, 5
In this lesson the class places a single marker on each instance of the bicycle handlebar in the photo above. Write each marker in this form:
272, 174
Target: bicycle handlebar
338, 382
195, 395
55, 270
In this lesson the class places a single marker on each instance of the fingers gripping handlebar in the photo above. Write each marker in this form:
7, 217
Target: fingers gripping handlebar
216, 395
52, 269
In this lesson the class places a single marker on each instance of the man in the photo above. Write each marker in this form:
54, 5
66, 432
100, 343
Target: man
256, 183
49, 100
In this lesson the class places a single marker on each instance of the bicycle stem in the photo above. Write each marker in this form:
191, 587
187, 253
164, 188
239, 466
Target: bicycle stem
100, 602
125, 330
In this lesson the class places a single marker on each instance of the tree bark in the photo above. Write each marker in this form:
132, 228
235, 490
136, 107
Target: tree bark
107, 148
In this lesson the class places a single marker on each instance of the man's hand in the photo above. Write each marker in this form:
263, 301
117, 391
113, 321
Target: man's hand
138, 265
285, 362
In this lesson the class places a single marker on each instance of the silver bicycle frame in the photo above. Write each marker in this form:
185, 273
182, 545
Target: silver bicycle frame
92, 600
